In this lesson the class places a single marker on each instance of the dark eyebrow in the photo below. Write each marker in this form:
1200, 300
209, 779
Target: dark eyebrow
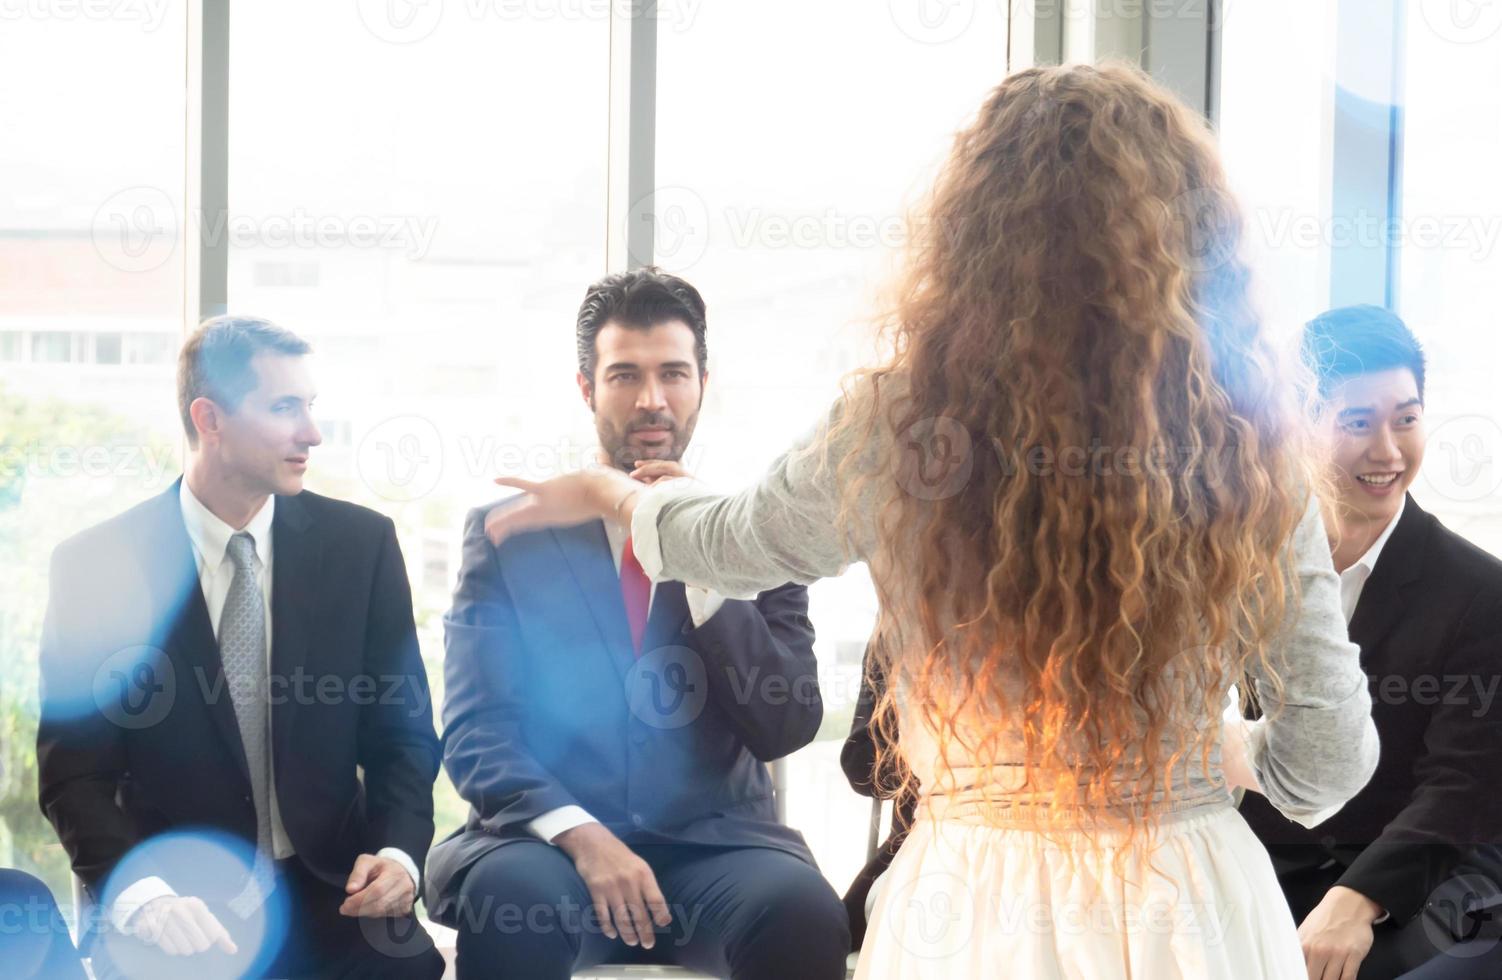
1409, 404
1351, 412
628, 366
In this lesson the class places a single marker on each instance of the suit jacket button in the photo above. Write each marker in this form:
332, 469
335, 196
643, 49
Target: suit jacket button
637, 820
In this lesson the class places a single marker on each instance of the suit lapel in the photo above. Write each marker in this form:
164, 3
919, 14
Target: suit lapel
665, 621
587, 551
1384, 597
169, 565
297, 552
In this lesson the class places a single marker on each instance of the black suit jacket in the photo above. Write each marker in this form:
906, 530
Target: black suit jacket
1429, 624
138, 735
546, 704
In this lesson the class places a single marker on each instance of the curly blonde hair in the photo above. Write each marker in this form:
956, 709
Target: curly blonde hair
1074, 301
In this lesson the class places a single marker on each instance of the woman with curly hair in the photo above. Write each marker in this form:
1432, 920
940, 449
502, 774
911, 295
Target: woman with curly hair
1122, 524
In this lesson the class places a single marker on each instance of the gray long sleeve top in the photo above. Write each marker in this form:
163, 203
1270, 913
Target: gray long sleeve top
1313, 750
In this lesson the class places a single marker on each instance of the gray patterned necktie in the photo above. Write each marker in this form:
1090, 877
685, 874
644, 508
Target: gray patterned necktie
242, 651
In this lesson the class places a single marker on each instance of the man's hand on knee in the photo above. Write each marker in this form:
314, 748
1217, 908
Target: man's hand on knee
621, 885
1337, 934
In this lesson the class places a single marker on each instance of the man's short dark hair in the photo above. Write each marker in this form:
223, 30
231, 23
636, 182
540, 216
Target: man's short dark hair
215, 362
1353, 340
642, 299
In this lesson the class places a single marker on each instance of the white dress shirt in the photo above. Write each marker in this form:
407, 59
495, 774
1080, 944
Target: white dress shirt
210, 538
1353, 579
702, 604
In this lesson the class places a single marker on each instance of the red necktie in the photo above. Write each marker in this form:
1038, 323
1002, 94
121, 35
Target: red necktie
636, 590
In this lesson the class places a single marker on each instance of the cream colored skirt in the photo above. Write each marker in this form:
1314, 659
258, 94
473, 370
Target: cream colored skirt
965, 900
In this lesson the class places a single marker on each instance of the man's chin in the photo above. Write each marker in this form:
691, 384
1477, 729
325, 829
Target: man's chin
626, 458
1377, 509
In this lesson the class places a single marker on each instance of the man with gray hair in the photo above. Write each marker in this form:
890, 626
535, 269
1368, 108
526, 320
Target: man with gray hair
236, 743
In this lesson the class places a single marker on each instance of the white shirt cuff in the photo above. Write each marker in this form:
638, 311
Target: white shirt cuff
405, 860
555, 822
131, 899
644, 541
702, 603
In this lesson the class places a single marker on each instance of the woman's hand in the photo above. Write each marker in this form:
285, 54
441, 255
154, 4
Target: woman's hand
651, 471
560, 502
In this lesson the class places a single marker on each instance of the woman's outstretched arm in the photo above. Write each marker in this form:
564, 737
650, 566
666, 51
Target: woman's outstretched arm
781, 529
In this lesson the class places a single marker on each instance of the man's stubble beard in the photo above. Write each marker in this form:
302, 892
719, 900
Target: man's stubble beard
624, 457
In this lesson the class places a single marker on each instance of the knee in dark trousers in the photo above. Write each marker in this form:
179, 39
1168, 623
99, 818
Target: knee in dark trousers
804, 932
522, 911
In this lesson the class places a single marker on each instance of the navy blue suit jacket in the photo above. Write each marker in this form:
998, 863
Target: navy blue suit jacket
546, 704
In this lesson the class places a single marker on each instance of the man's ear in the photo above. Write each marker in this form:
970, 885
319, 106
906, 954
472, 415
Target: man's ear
587, 389
206, 418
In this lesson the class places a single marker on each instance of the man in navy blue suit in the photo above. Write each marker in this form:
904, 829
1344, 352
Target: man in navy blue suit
610, 734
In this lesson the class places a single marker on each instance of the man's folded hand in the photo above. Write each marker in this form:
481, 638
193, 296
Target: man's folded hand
180, 926
378, 887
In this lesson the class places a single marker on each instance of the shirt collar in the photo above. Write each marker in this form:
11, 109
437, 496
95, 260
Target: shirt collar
1368, 561
210, 535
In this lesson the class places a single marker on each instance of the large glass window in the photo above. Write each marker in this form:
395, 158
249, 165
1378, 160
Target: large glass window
419, 190
1277, 131
91, 104
1451, 254
1275, 119
792, 138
